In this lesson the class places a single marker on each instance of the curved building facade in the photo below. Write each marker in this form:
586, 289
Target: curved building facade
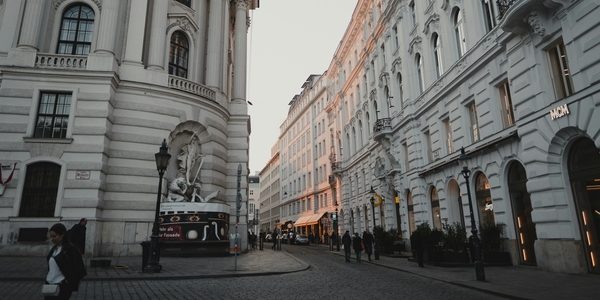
88, 91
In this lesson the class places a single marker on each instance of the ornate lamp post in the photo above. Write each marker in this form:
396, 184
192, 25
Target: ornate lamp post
466, 173
372, 192
162, 161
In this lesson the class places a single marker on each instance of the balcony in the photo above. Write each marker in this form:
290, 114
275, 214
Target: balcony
59, 61
382, 127
191, 87
520, 16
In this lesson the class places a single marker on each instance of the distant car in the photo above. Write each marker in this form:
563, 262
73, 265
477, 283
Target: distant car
301, 239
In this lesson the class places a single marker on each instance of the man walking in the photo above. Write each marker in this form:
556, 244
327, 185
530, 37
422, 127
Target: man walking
368, 241
347, 242
274, 237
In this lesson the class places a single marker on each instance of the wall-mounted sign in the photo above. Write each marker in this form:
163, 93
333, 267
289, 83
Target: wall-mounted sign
559, 112
82, 175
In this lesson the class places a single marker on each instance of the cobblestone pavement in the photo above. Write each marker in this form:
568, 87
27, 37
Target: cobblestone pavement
297, 272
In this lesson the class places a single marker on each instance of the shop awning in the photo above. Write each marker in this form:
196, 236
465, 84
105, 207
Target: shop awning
314, 219
302, 221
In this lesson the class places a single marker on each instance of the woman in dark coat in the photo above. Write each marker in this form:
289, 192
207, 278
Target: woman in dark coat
357, 245
65, 265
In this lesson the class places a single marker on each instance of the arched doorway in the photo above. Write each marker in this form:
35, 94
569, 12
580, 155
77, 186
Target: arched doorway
584, 174
411, 213
455, 203
435, 209
521, 205
484, 200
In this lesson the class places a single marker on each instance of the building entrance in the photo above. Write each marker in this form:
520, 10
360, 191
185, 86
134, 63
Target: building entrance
521, 204
584, 173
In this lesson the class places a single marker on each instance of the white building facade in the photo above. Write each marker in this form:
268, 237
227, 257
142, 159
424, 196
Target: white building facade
270, 196
514, 83
88, 91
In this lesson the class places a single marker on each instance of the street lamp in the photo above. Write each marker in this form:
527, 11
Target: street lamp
162, 161
466, 173
335, 227
372, 192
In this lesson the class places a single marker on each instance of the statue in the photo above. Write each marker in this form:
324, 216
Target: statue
186, 186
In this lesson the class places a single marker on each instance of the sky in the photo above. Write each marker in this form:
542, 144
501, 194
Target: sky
288, 40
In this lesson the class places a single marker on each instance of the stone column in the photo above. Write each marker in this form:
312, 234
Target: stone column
8, 28
241, 31
156, 57
215, 36
30, 28
134, 45
107, 27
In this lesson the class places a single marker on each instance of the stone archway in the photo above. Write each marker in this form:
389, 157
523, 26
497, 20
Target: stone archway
584, 177
522, 208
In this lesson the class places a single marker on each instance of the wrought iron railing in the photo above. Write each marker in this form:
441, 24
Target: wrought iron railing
503, 6
382, 124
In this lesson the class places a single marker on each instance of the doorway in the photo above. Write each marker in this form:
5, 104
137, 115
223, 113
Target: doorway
521, 205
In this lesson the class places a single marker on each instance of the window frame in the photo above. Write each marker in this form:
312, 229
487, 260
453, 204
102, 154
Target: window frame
21, 185
75, 42
506, 107
420, 73
562, 85
459, 31
437, 54
474, 122
33, 113
174, 67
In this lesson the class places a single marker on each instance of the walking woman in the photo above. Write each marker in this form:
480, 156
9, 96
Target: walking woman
65, 265
357, 245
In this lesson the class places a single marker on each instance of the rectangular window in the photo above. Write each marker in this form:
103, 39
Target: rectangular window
474, 122
561, 76
53, 116
405, 150
508, 114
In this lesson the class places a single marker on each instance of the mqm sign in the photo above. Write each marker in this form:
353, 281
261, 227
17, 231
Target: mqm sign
559, 112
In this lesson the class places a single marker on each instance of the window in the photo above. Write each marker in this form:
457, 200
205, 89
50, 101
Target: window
187, 3
437, 53
459, 31
413, 13
561, 76
251, 208
178, 55
428, 150
405, 151
400, 89
53, 116
474, 123
76, 30
420, 73
251, 192
395, 31
449, 142
40, 190
488, 15
383, 54
508, 115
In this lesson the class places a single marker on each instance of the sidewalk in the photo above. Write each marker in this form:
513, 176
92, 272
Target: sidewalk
514, 282
253, 263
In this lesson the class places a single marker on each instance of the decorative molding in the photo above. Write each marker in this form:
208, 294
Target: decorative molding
536, 24
384, 79
57, 3
415, 44
397, 65
185, 25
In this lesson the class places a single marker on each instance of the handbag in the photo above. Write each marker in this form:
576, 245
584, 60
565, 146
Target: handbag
50, 290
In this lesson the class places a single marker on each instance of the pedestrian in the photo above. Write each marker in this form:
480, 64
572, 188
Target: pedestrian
274, 237
357, 244
253, 240
368, 242
311, 237
416, 242
77, 235
347, 242
65, 265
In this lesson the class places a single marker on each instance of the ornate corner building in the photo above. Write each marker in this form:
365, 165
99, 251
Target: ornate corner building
88, 91
514, 83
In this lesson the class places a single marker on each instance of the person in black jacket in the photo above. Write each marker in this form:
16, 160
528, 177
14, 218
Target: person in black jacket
347, 242
357, 244
77, 235
368, 242
65, 265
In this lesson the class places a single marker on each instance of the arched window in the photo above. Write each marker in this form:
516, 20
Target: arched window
354, 139
187, 3
76, 30
178, 55
40, 190
420, 73
437, 53
360, 133
400, 89
368, 118
459, 30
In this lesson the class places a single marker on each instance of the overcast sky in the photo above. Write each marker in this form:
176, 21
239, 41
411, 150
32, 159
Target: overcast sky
288, 40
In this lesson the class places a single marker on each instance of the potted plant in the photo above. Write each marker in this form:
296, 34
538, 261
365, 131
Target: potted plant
492, 244
390, 238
